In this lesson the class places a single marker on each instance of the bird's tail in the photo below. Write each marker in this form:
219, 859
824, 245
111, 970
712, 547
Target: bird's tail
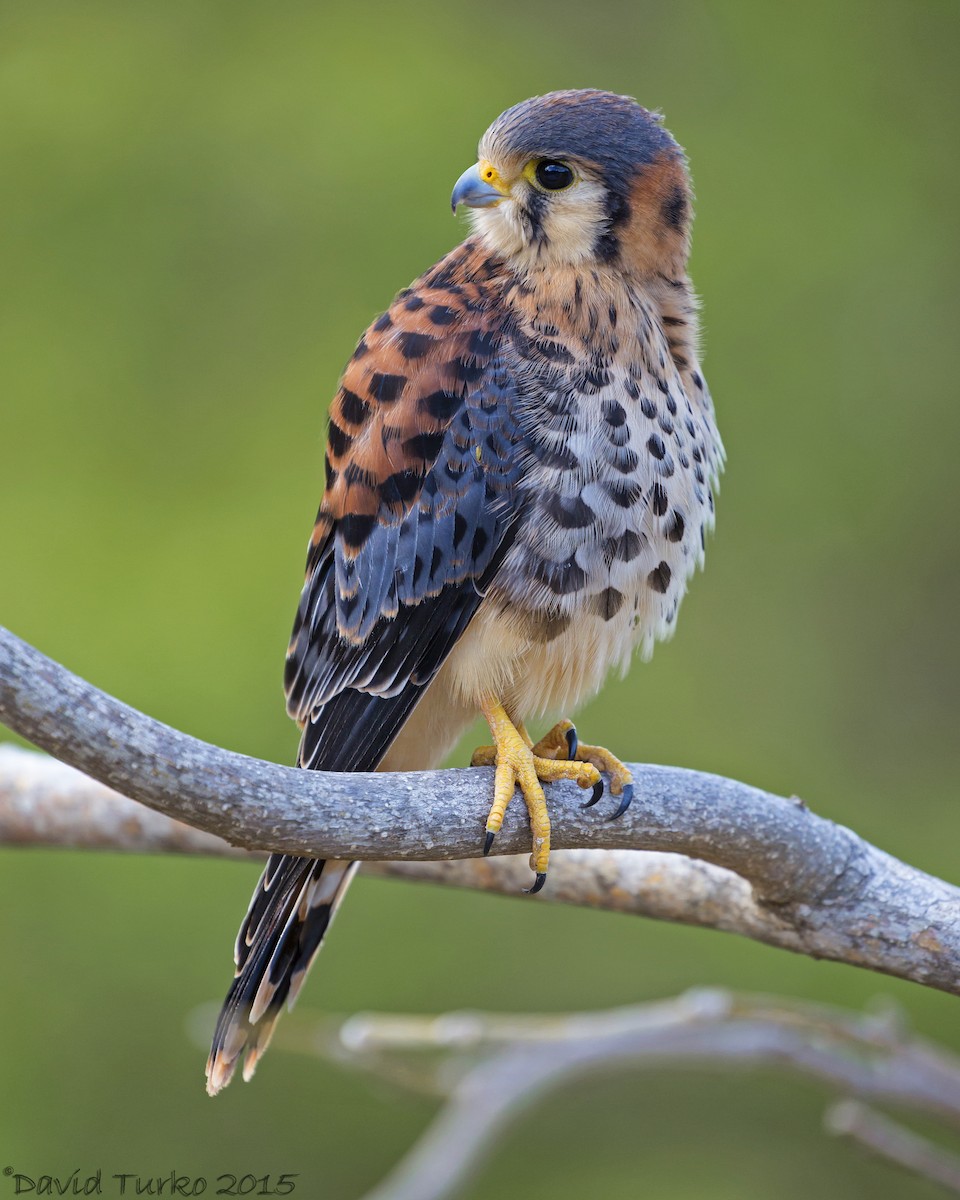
285, 925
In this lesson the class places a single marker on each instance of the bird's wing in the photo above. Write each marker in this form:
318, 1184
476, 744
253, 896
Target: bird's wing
419, 509
422, 467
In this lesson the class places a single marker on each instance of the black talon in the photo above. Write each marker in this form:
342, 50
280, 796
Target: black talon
488, 842
573, 742
538, 883
625, 801
597, 793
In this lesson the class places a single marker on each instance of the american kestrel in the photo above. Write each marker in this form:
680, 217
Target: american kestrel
519, 480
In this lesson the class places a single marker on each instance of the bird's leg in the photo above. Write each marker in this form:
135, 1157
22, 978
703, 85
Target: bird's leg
516, 764
486, 756
562, 742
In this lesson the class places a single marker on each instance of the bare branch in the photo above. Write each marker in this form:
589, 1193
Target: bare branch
810, 885
43, 802
498, 1065
888, 1139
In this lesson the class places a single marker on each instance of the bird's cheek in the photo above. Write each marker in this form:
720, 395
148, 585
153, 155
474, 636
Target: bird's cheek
503, 228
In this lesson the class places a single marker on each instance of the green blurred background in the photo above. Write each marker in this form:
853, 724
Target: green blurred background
201, 206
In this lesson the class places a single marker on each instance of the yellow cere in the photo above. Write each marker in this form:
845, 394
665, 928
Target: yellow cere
490, 174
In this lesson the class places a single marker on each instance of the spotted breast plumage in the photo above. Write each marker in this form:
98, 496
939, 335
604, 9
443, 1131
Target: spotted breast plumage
520, 470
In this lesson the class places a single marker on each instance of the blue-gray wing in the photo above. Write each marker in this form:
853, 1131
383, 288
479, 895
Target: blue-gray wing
423, 469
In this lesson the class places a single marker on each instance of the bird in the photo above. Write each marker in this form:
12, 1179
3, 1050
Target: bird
520, 472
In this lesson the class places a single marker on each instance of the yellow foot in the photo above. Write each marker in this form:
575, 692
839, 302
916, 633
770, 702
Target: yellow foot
562, 742
517, 764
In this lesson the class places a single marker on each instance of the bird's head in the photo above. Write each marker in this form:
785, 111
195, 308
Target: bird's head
579, 178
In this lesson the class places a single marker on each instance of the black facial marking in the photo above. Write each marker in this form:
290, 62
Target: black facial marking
536, 207
607, 245
674, 210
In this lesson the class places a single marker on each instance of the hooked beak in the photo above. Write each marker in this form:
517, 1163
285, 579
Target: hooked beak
478, 187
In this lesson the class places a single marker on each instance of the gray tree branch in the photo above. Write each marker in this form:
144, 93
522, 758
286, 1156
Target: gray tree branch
888, 1139
43, 802
490, 1067
765, 866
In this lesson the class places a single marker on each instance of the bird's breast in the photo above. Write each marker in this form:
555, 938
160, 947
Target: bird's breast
620, 457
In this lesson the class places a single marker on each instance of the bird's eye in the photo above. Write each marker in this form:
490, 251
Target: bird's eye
554, 176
